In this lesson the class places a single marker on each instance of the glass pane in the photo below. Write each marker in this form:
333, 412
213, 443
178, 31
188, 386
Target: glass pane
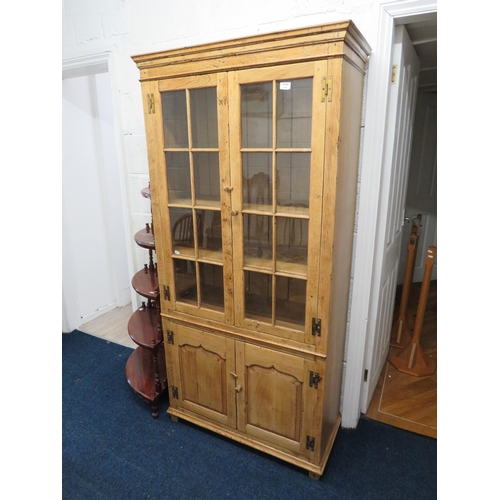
181, 222
212, 286
258, 240
204, 118
175, 128
258, 296
210, 239
294, 109
293, 172
179, 182
291, 302
185, 281
257, 181
291, 244
256, 115
206, 178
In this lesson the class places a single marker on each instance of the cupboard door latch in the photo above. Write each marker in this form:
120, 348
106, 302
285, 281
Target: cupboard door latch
175, 392
166, 292
310, 443
314, 378
316, 327
170, 337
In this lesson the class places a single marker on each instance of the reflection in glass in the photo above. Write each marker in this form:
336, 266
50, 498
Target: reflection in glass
291, 242
257, 180
210, 238
291, 302
204, 118
258, 240
185, 281
293, 173
212, 286
258, 296
183, 235
179, 183
294, 113
206, 177
256, 115
175, 127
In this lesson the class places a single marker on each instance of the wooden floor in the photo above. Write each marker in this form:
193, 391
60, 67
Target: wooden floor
406, 401
400, 400
112, 326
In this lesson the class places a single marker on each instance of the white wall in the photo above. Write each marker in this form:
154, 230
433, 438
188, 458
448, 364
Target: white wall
131, 27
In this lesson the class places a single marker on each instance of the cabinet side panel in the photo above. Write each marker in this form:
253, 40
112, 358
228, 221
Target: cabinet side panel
345, 210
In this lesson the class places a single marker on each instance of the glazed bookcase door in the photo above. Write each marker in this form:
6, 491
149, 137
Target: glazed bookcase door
277, 134
194, 203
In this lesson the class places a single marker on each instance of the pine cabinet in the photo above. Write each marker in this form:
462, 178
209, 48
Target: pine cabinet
253, 152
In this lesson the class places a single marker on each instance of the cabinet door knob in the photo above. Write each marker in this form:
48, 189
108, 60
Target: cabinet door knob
238, 388
234, 212
228, 189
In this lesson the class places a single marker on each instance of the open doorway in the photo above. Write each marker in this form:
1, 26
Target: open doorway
401, 399
95, 266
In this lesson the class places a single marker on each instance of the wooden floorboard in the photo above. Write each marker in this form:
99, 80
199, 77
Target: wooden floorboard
403, 400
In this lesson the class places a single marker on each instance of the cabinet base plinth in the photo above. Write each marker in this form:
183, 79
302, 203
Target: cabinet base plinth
315, 471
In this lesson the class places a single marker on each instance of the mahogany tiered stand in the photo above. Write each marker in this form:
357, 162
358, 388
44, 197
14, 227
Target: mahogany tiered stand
145, 370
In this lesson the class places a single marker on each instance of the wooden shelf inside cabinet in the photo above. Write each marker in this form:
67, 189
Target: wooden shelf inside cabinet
144, 327
146, 374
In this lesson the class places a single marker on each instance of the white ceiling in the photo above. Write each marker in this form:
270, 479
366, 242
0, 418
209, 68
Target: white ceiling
424, 37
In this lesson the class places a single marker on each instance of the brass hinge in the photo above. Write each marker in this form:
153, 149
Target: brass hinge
326, 88
175, 392
314, 378
151, 103
170, 337
394, 73
166, 292
316, 327
310, 443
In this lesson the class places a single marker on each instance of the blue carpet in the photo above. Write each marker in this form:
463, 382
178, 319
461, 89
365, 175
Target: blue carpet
114, 449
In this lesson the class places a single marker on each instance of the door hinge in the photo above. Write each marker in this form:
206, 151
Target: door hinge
170, 337
316, 327
175, 392
326, 88
394, 73
310, 443
151, 103
314, 378
365, 378
166, 292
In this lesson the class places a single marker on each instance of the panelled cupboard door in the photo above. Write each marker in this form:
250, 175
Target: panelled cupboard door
192, 177
203, 367
274, 400
277, 136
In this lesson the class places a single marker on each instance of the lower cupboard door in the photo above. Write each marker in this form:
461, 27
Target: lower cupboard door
275, 404
203, 363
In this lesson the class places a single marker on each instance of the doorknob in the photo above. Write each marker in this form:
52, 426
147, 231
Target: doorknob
234, 212
406, 219
238, 388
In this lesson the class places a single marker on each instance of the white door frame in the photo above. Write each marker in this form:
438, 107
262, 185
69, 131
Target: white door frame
363, 310
85, 65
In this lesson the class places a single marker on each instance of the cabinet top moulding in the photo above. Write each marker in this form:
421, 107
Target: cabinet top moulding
341, 39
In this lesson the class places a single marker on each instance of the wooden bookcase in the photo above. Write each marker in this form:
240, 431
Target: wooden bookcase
253, 154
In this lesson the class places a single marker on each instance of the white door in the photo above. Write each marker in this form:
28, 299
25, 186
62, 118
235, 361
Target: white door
421, 196
400, 118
